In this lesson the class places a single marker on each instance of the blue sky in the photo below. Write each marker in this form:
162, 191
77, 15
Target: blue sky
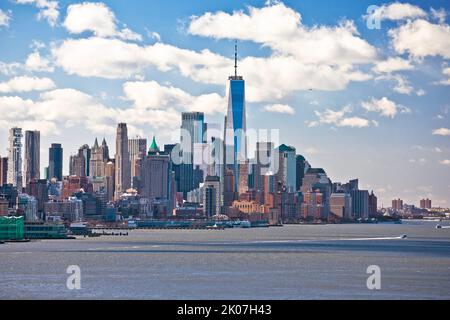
378, 109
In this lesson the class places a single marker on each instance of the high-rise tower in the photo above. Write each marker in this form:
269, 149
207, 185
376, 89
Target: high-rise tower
235, 125
15, 158
122, 164
55, 162
32, 156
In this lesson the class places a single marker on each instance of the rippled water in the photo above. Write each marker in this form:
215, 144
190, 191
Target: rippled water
292, 262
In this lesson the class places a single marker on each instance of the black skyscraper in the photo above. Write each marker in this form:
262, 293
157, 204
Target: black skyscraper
55, 162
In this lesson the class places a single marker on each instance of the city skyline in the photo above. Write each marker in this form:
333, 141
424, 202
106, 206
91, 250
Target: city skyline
401, 152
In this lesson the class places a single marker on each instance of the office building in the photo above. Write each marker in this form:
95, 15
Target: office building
235, 140
122, 161
15, 158
55, 162
32, 162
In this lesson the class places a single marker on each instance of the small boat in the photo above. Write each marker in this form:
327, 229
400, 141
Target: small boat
404, 236
438, 226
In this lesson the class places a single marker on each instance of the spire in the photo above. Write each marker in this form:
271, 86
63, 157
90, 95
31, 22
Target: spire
235, 58
154, 149
96, 143
104, 142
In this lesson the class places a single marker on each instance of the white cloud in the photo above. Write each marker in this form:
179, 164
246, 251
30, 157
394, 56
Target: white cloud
154, 35
398, 11
126, 60
446, 72
9, 69
442, 132
48, 10
5, 17
35, 62
97, 18
445, 162
280, 28
439, 14
268, 78
392, 65
420, 38
402, 84
339, 119
384, 107
26, 84
279, 108
152, 95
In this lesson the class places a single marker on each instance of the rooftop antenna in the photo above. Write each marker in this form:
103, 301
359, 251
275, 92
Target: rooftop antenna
235, 58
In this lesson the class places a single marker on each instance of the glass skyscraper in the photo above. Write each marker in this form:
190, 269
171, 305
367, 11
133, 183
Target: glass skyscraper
235, 125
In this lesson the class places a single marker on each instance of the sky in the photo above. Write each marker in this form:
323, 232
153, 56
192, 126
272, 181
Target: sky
360, 88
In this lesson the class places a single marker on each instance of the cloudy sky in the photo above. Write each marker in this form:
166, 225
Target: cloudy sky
358, 90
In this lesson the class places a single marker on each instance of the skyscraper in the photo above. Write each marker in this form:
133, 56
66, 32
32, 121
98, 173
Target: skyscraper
99, 158
32, 156
287, 165
360, 203
155, 174
122, 163
55, 162
15, 158
192, 132
137, 148
235, 125
3, 171
211, 196
300, 171
373, 204
86, 152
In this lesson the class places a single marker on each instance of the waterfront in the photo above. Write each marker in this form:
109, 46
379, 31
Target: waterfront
292, 262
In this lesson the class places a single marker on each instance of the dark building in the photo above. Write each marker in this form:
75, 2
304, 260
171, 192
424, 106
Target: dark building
373, 205
300, 172
32, 156
39, 190
10, 193
360, 203
3, 171
55, 162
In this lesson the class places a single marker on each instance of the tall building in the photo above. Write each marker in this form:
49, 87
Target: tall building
137, 148
211, 196
300, 171
15, 158
235, 125
110, 179
156, 177
32, 156
39, 190
3, 171
373, 205
192, 132
263, 163
397, 204
55, 162
287, 167
77, 165
86, 152
122, 161
360, 203
425, 204
341, 205
99, 158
